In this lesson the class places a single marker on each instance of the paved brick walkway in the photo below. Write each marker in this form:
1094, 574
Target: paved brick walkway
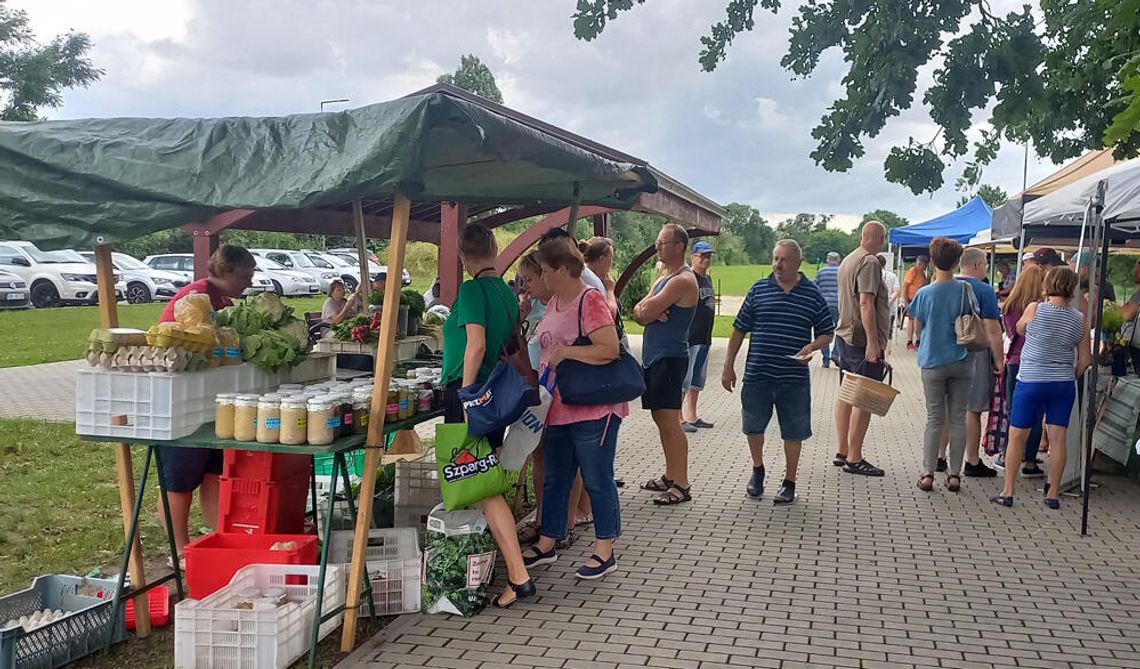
45, 392
859, 573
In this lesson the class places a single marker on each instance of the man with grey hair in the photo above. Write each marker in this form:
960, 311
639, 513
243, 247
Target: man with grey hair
788, 320
862, 334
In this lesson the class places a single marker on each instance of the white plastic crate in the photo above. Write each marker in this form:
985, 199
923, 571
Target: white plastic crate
163, 406
212, 634
394, 563
417, 482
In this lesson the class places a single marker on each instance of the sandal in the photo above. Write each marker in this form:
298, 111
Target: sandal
953, 483
522, 591
926, 482
658, 484
529, 533
840, 460
674, 495
1002, 500
532, 557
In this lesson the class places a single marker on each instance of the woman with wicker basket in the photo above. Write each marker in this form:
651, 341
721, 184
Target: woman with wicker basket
946, 369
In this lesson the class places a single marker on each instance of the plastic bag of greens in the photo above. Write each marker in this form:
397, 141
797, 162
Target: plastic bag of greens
459, 562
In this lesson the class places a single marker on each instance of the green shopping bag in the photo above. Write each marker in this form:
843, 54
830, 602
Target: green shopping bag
469, 470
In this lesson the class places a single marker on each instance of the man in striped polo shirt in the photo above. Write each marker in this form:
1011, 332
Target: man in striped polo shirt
788, 321
827, 278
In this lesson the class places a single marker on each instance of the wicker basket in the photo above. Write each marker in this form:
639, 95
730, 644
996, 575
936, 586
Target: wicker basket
867, 394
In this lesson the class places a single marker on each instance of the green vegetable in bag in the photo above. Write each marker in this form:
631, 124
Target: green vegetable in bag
459, 562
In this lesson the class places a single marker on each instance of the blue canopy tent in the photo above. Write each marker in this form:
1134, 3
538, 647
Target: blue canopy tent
961, 225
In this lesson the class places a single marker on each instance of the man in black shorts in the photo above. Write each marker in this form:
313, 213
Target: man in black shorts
862, 335
667, 312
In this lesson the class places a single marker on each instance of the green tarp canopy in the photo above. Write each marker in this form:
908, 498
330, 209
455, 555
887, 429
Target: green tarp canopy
101, 181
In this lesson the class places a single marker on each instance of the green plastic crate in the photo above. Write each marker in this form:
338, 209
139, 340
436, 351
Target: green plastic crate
323, 464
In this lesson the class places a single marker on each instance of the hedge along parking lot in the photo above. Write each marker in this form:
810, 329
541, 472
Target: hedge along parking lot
36, 336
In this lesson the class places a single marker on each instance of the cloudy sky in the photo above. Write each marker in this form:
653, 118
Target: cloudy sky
741, 133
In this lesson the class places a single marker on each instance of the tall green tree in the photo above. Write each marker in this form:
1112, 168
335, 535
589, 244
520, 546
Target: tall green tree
1065, 75
802, 226
475, 77
991, 195
822, 242
33, 75
745, 222
886, 217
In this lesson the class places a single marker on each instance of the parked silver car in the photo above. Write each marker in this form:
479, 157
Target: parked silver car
13, 291
54, 278
378, 271
144, 283
287, 282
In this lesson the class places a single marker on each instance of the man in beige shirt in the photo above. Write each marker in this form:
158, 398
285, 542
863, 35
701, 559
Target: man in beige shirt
862, 335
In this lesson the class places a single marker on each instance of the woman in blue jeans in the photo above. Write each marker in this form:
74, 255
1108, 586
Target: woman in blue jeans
946, 369
578, 438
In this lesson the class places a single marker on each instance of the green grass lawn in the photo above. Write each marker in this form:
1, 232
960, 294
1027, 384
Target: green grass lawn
737, 279
36, 336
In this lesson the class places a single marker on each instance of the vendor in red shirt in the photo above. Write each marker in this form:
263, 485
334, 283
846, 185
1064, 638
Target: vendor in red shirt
184, 470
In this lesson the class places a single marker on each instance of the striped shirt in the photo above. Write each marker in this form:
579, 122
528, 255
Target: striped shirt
1051, 340
781, 323
827, 278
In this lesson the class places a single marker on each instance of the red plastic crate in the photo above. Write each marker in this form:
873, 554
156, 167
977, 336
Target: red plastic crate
251, 506
263, 466
212, 560
158, 601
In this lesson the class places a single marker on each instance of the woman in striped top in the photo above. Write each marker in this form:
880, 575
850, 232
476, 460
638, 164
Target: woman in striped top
1055, 334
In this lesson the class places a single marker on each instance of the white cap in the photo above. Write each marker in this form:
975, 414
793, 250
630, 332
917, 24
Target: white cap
1028, 255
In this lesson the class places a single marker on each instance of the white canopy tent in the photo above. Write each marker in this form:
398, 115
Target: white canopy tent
1067, 205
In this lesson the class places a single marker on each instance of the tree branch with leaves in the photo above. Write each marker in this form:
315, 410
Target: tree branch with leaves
1065, 76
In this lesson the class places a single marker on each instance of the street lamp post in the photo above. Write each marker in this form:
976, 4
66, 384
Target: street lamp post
331, 102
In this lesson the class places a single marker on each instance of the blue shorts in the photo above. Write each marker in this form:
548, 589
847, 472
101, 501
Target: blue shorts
790, 399
698, 367
854, 359
1052, 400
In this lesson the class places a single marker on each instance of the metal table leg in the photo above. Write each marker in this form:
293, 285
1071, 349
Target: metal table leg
326, 535
169, 526
117, 601
367, 592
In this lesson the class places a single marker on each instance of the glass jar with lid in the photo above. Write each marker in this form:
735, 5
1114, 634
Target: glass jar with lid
269, 419
245, 417
347, 413
224, 416
361, 408
323, 420
294, 420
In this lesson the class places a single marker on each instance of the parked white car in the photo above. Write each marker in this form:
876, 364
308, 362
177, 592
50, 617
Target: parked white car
287, 282
298, 261
13, 291
183, 265
144, 283
377, 270
54, 278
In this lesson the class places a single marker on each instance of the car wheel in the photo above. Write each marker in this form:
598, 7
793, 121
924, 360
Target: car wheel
137, 293
44, 295
349, 283
277, 288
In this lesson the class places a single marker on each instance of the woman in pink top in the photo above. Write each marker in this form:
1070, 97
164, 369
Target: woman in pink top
1026, 291
577, 437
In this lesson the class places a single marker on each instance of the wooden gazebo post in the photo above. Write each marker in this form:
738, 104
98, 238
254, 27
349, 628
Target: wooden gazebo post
109, 318
385, 349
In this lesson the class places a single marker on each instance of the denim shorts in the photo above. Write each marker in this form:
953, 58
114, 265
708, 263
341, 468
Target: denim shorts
791, 401
698, 367
1051, 399
854, 359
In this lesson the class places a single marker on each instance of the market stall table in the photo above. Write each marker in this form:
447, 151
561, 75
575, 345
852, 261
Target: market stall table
204, 438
